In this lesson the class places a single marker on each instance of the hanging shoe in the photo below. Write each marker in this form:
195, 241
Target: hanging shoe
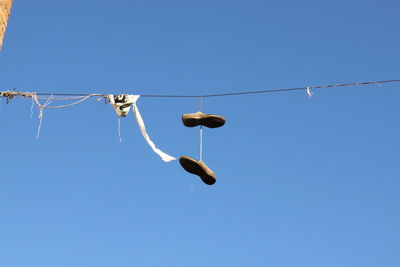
198, 168
199, 118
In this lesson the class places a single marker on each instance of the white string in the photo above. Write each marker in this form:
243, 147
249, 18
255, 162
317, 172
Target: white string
63, 99
201, 143
33, 104
73, 104
119, 129
201, 132
41, 107
41, 116
46, 105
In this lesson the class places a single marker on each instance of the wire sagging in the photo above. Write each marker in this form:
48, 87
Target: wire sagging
11, 94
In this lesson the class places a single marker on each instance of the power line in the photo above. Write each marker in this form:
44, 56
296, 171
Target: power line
230, 93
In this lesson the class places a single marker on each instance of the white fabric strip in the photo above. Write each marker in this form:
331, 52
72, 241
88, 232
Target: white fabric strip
165, 157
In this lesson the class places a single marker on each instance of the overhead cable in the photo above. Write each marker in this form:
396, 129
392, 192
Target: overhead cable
226, 94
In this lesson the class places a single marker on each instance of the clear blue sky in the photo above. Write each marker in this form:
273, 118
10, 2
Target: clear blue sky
299, 182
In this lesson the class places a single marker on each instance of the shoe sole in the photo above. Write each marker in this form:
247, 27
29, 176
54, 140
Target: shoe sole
196, 119
198, 168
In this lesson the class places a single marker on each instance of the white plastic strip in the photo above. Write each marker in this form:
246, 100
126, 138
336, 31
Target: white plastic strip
310, 93
165, 157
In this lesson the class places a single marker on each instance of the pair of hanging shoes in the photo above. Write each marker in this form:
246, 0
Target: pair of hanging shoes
191, 165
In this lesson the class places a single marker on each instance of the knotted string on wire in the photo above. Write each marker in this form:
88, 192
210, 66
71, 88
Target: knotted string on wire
49, 100
83, 98
41, 113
